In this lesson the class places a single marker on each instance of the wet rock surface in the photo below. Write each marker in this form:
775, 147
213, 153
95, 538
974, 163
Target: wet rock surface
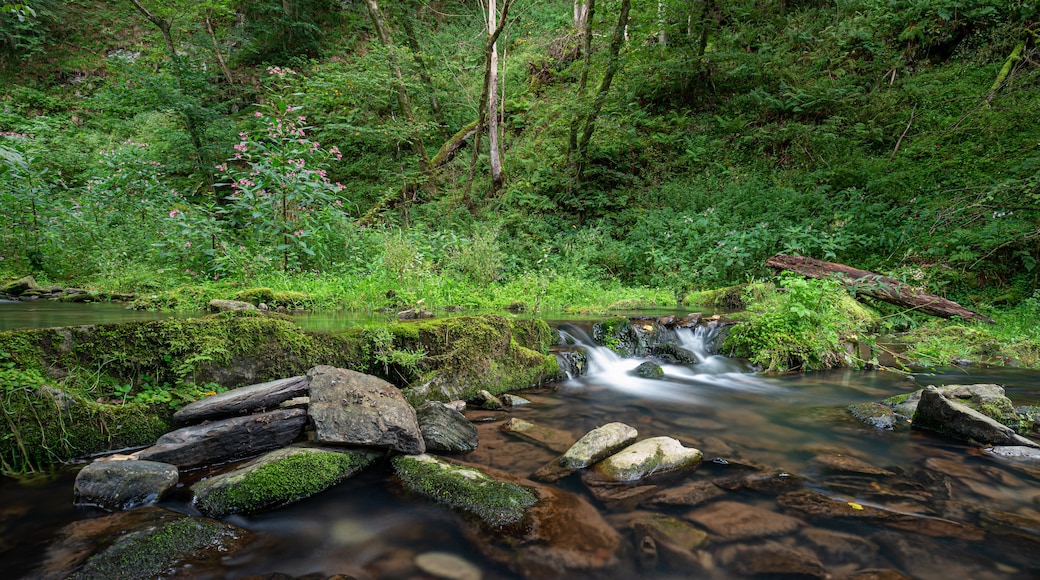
937, 413
351, 408
552, 439
445, 429
876, 415
598, 444
656, 456
243, 400
730, 520
121, 485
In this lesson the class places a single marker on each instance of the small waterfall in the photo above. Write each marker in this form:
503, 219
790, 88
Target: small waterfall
689, 383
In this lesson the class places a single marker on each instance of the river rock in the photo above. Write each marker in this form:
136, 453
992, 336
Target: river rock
122, 485
20, 286
598, 444
278, 478
243, 400
552, 439
227, 439
988, 399
573, 363
650, 457
840, 548
351, 408
842, 463
937, 413
674, 540
927, 559
445, 429
485, 400
771, 560
765, 480
690, 494
447, 566
732, 520
465, 489
649, 370
671, 352
216, 305
875, 415
514, 401
145, 542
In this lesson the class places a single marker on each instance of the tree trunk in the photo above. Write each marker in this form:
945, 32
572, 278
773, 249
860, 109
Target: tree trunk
424, 73
871, 284
581, 14
497, 176
216, 50
572, 140
402, 93
601, 95
662, 35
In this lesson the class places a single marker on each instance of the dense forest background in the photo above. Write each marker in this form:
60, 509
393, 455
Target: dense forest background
673, 144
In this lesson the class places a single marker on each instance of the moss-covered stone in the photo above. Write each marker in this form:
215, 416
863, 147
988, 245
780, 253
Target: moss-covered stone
620, 336
466, 489
278, 478
153, 552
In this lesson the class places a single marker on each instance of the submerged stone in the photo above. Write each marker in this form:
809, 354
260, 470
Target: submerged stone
598, 444
689, 494
278, 478
121, 485
937, 413
646, 458
732, 520
772, 560
243, 400
445, 429
352, 408
875, 415
552, 439
227, 439
466, 489
514, 401
447, 566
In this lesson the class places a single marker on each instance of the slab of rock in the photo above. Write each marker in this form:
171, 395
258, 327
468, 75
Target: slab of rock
216, 305
842, 463
552, 439
122, 485
937, 413
226, 439
146, 542
20, 286
673, 540
875, 415
278, 478
772, 560
766, 480
243, 400
352, 408
598, 444
690, 494
447, 566
445, 429
514, 401
655, 456
732, 520
840, 548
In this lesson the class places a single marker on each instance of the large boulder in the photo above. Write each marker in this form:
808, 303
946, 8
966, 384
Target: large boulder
278, 478
352, 408
227, 439
445, 429
988, 399
20, 286
243, 400
657, 456
122, 485
937, 413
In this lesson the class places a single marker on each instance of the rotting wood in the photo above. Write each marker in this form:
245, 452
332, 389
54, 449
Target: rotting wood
874, 285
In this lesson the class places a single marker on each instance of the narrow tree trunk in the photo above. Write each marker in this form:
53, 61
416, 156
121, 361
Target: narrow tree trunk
482, 105
497, 176
216, 50
662, 36
870, 284
424, 73
613, 65
402, 93
572, 140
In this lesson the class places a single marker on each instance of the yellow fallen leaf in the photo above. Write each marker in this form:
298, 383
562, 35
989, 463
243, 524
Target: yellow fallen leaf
855, 505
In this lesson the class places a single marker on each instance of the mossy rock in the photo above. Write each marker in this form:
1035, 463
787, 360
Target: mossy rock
153, 552
255, 296
649, 370
272, 298
620, 336
494, 503
730, 298
278, 478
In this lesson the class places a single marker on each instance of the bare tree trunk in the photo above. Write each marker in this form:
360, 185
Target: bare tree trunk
581, 14
216, 50
482, 106
402, 93
497, 176
162, 25
662, 36
613, 65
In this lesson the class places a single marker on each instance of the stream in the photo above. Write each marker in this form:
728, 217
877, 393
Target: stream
791, 426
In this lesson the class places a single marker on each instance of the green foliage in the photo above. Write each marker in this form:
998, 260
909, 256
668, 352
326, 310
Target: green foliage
803, 324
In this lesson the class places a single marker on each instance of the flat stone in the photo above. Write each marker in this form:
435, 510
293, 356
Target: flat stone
122, 485
656, 456
669, 531
839, 462
514, 401
243, 400
766, 480
927, 559
772, 560
447, 566
732, 520
878, 574
840, 548
598, 444
229, 305
351, 408
690, 494
445, 429
552, 439
875, 415
278, 478
227, 440
937, 413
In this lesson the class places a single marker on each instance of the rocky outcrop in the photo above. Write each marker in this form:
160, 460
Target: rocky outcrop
20, 286
227, 439
243, 400
937, 413
351, 408
278, 478
122, 485
445, 429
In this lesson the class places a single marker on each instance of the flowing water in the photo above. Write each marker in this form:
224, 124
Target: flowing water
972, 516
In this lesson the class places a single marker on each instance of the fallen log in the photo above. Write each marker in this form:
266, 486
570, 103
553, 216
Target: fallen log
866, 283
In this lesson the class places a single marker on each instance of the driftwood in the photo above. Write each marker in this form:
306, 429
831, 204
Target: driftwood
875, 286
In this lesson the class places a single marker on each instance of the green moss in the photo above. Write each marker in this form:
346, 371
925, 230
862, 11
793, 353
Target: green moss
494, 502
283, 477
941, 342
896, 400
151, 554
618, 335
256, 295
